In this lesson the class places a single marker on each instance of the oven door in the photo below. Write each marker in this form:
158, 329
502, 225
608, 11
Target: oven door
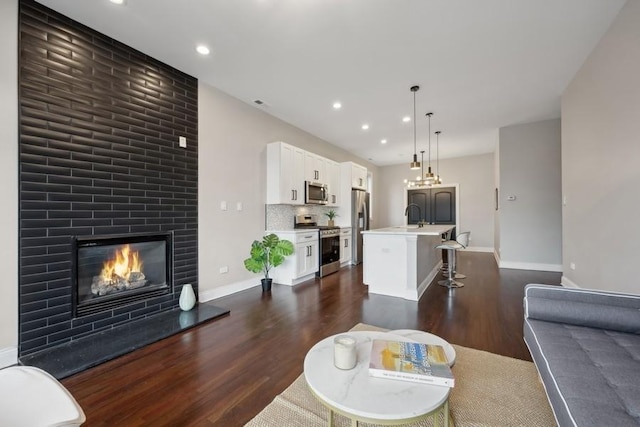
329, 255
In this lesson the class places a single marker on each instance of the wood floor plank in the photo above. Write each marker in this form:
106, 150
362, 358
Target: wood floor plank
222, 373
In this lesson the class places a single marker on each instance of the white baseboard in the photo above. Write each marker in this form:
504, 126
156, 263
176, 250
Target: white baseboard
496, 255
8, 356
568, 283
530, 266
223, 291
477, 249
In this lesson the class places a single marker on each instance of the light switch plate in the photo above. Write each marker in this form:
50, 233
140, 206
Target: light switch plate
182, 141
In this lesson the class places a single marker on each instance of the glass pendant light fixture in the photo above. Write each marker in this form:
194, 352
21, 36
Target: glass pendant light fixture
438, 179
429, 177
415, 164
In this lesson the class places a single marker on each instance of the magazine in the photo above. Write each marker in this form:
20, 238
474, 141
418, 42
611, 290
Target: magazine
410, 361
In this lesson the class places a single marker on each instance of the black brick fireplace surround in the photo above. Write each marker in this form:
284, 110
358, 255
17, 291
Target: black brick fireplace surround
99, 155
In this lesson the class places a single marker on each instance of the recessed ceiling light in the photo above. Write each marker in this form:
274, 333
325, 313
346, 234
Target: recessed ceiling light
365, 127
406, 119
117, 1
202, 50
383, 141
337, 105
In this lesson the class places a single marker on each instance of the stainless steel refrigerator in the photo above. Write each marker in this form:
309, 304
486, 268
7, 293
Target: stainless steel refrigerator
359, 222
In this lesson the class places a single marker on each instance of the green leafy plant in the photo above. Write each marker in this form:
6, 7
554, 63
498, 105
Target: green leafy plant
331, 214
267, 253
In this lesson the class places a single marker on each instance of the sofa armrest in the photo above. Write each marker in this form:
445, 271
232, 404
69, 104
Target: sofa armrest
583, 307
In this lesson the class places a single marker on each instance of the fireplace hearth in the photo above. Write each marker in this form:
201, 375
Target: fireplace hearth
116, 270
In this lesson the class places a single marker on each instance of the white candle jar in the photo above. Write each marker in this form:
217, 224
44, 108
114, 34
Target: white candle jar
344, 352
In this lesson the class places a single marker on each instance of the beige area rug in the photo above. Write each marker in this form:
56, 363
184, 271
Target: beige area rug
491, 390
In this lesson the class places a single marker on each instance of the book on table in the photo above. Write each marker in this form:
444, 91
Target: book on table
410, 361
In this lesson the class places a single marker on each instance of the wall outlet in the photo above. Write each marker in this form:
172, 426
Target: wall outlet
223, 205
224, 269
239, 206
572, 265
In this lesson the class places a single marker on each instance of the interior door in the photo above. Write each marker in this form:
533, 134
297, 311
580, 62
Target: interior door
421, 198
443, 205
437, 205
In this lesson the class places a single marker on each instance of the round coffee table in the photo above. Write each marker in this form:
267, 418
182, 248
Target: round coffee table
360, 397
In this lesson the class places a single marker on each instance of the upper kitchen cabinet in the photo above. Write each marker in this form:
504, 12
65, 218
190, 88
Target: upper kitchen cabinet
285, 174
333, 173
357, 173
315, 168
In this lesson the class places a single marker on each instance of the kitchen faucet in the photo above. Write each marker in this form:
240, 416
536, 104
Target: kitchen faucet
420, 221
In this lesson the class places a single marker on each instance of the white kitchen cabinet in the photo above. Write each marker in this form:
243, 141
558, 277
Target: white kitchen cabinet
285, 174
358, 176
355, 175
315, 168
307, 258
345, 246
333, 173
304, 262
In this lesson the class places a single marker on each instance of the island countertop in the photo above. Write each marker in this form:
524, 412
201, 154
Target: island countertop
427, 230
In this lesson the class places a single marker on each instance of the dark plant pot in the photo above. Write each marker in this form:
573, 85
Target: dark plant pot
266, 284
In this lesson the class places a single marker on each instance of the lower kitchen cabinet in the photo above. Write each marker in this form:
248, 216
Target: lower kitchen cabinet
345, 246
304, 262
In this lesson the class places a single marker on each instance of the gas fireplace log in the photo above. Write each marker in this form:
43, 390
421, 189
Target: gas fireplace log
101, 286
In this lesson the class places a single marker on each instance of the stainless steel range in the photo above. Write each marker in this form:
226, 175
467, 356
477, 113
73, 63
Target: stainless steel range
329, 238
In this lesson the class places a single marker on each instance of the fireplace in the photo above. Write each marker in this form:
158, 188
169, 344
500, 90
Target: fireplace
117, 270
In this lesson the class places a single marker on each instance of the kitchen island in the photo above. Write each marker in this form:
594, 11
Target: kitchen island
402, 261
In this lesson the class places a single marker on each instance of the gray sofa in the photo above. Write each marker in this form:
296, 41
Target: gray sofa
586, 347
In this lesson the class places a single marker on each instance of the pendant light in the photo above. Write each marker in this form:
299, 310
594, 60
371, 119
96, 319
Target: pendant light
438, 179
419, 181
429, 175
415, 164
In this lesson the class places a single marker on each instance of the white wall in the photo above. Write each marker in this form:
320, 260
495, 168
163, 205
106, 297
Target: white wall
9, 182
232, 138
474, 174
531, 225
601, 162
496, 212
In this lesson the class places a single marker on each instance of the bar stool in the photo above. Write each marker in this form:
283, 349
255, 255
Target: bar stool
463, 239
445, 253
31, 397
452, 246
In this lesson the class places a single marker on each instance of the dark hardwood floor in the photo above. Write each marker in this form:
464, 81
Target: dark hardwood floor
224, 372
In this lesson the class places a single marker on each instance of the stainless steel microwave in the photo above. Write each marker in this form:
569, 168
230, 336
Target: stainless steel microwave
315, 193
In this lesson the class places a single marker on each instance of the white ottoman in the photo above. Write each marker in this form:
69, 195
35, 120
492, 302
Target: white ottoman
31, 397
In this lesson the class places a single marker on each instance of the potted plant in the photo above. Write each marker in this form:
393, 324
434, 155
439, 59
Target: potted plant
331, 214
265, 254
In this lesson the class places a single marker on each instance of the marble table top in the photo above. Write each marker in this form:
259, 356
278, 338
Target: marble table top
355, 392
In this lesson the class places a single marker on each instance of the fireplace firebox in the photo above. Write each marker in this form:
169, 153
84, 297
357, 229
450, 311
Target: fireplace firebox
116, 270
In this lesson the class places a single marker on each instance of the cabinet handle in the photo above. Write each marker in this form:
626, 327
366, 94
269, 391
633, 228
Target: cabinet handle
346, 243
308, 237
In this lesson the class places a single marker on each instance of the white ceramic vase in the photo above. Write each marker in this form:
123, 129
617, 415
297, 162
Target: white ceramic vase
187, 297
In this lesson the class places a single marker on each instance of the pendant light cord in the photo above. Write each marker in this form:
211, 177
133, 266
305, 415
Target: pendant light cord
414, 122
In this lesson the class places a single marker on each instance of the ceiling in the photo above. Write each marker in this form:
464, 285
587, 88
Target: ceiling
481, 65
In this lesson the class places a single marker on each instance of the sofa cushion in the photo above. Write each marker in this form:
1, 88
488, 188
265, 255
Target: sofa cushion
592, 376
581, 307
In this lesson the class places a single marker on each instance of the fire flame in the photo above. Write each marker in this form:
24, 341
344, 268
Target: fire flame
124, 262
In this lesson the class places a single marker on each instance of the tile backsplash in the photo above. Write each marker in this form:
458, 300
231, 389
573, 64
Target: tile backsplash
280, 217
